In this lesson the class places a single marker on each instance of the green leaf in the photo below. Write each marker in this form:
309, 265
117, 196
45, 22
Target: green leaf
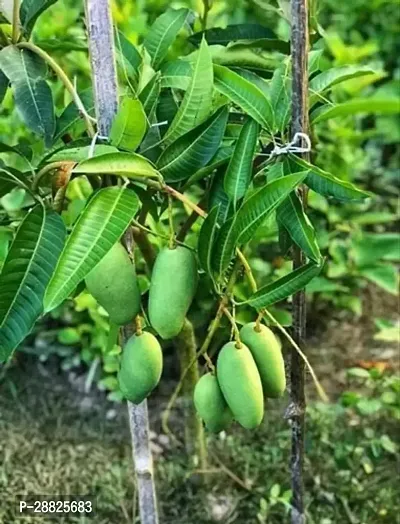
232, 33
9, 179
238, 173
193, 150
176, 74
262, 203
207, 235
218, 197
284, 287
196, 103
371, 247
99, 227
383, 275
121, 164
261, 63
291, 215
3, 86
244, 94
32, 95
327, 184
224, 247
71, 114
265, 44
129, 125
162, 34
27, 270
357, 106
149, 95
220, 158
78, 154
254, 79
327, 79
31, 10
281, 93
128, 57
66, 44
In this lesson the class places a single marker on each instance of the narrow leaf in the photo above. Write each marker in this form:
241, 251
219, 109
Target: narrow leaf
32, 95
31, 10
71, 114
79, 154
291, 215
176, 74
9, 179
129, 125
196, 103
193, 150
129, 58
238, 173
207, 235
357, 106
27, 270
327, 184
224, 247
102, 223
220, 158
245, 94
280, 93
162, 34
233, 33
262, 203
149, 95
284, 287
122, 164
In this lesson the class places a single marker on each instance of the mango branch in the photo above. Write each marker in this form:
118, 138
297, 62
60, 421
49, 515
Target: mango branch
65, 80
15, 21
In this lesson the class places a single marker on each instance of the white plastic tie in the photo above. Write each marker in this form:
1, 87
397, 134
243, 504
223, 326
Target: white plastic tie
295, 146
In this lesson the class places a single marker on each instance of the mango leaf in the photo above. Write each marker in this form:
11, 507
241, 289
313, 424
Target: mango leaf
6, 9
79, 154
32, 95
383, 275
260, 63
71, 114
129, 58
254, 79
220, 158
357, 106
196, 103
193, 150
162, 34
98, 228
244, 94
285, 242
3, 86
281, 95
314, 61
262, 203
120, 163
31, 10
291, 215
65, 44
176, 74
267, 44
218, 197
149, 95
224, 247
129, 125
207, 235
238, 173
9, 179
27, 270
327, 184
284, 287
232, 33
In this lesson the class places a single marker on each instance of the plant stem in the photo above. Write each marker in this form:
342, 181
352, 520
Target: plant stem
50, 167
101, 45
204, 20
299, 124
65, 80
15, 21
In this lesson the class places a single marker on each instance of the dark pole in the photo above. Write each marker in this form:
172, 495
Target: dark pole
296, 410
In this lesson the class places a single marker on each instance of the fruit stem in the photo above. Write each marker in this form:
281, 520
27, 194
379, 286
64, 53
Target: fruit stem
138, 326
171, 242
231, 319
257, 327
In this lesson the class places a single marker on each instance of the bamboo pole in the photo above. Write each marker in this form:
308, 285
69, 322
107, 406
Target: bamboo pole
299, 124
101, 47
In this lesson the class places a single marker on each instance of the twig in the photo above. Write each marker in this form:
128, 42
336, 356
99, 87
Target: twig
15, 21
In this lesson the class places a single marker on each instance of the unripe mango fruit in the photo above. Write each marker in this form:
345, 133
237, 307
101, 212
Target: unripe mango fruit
266, 351
113, 283
240, 383
210, 404
141, 367
172, 288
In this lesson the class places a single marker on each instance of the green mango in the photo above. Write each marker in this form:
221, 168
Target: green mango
240, 383
141, 367
172, 288
211, 405
266, 350
113, 283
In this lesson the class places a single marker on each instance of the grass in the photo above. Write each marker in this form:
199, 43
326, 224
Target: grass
52, 443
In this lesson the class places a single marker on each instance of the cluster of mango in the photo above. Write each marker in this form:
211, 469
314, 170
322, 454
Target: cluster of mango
113, 283
247, 371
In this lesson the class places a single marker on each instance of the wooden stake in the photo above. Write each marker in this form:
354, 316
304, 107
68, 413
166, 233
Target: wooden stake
299, 124
101, 46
